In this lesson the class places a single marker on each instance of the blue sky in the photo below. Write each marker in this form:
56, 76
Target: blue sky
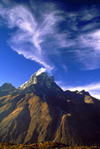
63, 36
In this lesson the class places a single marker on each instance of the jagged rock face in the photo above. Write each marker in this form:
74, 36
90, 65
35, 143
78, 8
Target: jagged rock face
41, 80
40, 83
41, 77
42, 111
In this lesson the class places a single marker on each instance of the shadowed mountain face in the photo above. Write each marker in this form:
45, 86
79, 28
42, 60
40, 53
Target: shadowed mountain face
40, 110
6, 89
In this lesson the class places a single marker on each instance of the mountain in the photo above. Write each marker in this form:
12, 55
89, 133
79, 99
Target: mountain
6, 89
39, 110
46, 76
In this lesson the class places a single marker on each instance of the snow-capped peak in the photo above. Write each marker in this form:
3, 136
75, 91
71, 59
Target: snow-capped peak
42, 70
34, 79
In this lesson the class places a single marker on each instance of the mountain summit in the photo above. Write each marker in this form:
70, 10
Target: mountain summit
6, 89
39, 110
44, 70
42, 73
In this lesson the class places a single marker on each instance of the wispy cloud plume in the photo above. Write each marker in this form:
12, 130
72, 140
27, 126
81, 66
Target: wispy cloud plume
30, 33
85, 25
88, 49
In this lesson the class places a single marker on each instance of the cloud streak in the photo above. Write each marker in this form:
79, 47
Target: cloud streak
31, 32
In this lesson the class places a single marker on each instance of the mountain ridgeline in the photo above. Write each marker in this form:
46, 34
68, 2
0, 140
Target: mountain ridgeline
39, 110
6, 89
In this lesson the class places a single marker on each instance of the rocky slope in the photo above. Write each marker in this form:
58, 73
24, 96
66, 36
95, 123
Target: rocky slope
41, 111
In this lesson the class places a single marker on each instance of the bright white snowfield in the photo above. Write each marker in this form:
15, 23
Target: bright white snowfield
42, 70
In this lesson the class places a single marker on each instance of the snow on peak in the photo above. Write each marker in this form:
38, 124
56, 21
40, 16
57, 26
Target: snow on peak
22, 86
42, 70
33, 79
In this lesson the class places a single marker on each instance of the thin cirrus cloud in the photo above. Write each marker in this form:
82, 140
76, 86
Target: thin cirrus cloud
45, 30
30, 33
87, 42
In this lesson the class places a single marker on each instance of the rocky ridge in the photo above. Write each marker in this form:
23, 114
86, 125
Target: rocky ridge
6, 89
41, 111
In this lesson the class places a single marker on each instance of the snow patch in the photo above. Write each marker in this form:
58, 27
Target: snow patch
33, 79
22, 86
42, 70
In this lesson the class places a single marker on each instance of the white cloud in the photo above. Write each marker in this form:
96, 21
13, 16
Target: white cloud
86, 41
35, 37
88, 49
64, 67
7, 2
58, 82
91, 40
88, 13
31, 32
